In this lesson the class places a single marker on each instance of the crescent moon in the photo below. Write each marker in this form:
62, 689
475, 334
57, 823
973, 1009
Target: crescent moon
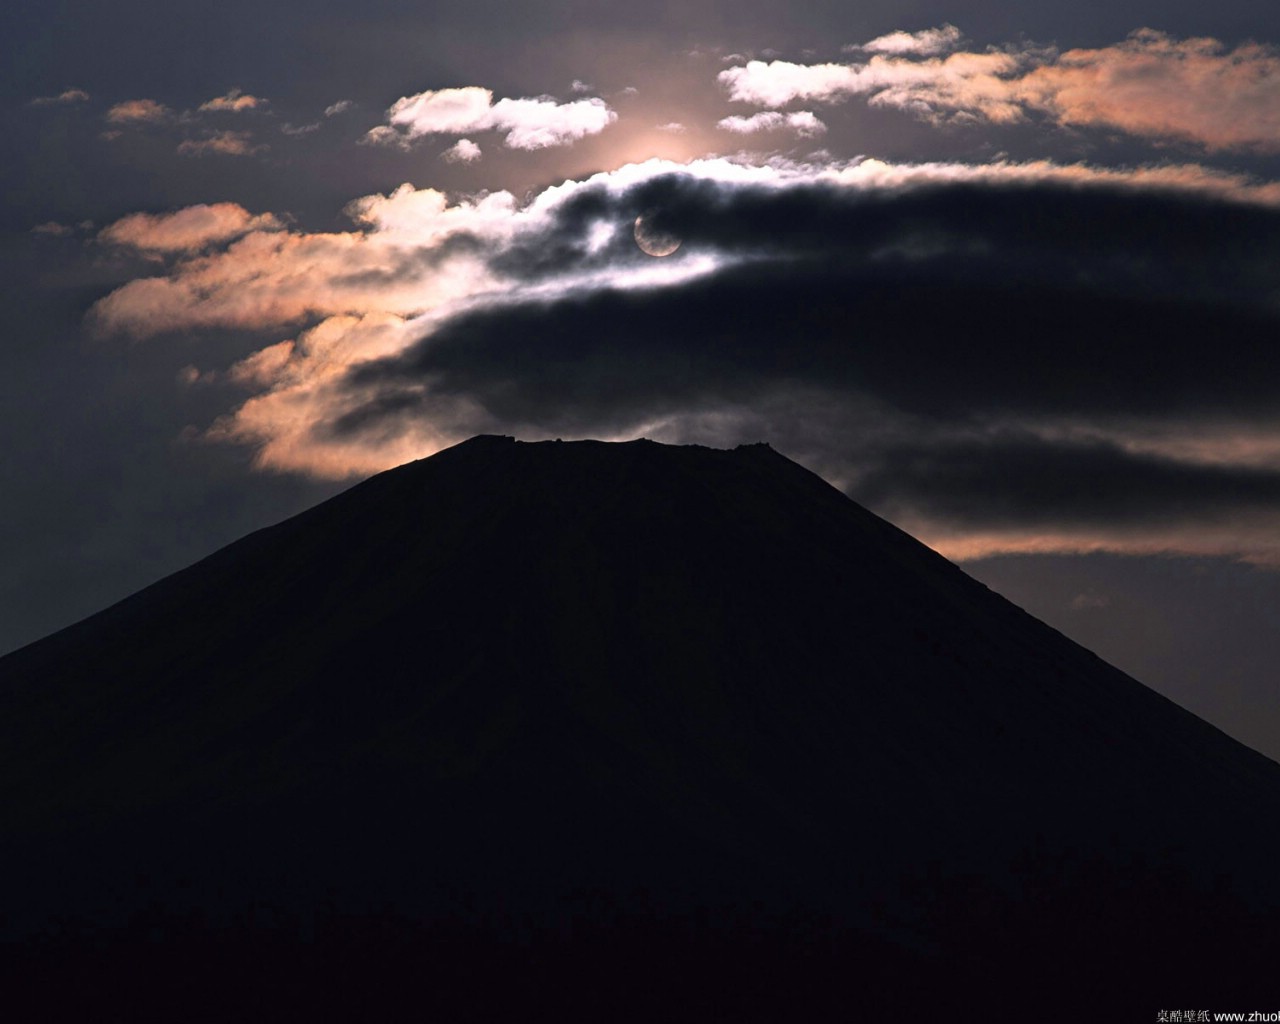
655, 243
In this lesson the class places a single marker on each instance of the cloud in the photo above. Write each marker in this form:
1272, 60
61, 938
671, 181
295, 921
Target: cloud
927, 43
186, 230
673, 127
66, 96
1151, 85
463, 151
802, 122
341, 107
412, 251
296, 130
1008, 357
302, 385
536, 123
234, 101
1011, 492
969, 82
1154, 85
52, 229
226, 143
142, 111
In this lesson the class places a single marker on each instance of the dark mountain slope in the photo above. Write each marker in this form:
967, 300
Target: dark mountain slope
679, 681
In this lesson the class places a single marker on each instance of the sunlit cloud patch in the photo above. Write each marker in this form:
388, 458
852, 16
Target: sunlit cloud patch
1150, 85
528, 123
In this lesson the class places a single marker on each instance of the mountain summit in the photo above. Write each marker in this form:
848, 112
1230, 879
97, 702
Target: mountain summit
581, 710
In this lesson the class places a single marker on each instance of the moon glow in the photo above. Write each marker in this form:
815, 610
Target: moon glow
652, 241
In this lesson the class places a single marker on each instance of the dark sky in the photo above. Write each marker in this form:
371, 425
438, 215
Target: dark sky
1005, 273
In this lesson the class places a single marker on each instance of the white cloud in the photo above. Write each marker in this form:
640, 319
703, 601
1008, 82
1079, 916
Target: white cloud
341, 107
529, 123
971, 82
385, 135
928, 43
802, 122
463, 151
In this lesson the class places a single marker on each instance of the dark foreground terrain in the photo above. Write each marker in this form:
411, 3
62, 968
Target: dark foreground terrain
619, 732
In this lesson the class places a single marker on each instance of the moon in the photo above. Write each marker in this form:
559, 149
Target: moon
654, 242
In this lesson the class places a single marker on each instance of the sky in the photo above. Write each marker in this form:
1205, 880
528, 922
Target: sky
1005, 273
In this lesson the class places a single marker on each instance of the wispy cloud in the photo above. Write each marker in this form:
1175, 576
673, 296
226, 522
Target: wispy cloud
802, 122
536, 123
1150, 85
926, 43
144, 111
341, 107
52, 229
188, 229
234, 101
66, 96
226, 143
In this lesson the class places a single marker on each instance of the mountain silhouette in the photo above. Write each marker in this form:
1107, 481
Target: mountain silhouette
632, 730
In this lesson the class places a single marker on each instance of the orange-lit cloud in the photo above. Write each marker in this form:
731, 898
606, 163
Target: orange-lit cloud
267, 277
188, 229
66, 96
301, 387
1154, 85
227, 143
1253, 540
1149, 85
142, 111
233, 102
536, 123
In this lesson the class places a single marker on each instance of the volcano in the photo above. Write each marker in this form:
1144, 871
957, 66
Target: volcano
629, 730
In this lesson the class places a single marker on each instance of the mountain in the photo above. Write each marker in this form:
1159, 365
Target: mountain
630, 730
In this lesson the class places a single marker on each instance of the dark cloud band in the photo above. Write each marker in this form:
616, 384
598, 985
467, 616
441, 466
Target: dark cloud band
948, 311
